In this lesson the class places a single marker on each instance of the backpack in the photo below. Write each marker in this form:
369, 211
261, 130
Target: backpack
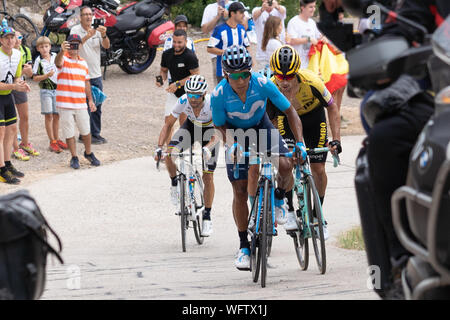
23, 247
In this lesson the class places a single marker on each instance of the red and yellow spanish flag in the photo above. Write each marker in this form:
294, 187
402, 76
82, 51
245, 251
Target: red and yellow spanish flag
329, 64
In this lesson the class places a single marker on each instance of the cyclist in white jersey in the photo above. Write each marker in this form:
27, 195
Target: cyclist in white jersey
196, 105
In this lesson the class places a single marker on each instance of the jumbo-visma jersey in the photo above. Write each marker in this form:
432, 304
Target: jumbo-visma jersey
227, 107
311, 94
10, 68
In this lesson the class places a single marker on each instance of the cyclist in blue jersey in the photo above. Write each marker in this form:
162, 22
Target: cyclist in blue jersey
238, 111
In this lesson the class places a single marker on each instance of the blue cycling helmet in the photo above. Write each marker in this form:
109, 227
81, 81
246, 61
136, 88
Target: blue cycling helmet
236, 58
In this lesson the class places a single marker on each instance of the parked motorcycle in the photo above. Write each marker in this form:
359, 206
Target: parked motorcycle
134, 31
421, 208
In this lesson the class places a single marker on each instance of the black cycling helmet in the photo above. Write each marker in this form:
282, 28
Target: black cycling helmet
285, 60
236, 58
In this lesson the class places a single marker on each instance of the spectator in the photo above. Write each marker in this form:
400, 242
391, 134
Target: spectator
213, 15
10, 79
226, 35
92, 41
302, 31
271, 38
181, 22
181, 62
73, 87
45, 72
260, 16
21, 101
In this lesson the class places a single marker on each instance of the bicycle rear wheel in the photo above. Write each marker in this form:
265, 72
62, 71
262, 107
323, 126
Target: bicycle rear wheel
199, 204
183, 210
255, 253
27, 28
315, 224
267, 230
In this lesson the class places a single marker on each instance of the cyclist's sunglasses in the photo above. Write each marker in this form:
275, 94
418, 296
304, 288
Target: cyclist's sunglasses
283, 77
237, 75
194, 96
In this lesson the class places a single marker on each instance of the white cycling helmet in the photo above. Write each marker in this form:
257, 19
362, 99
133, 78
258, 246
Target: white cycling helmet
196, 84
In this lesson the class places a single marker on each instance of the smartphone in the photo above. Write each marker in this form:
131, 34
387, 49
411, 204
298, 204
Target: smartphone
74, 45
222, 3
97, 22
270, 2
159, 79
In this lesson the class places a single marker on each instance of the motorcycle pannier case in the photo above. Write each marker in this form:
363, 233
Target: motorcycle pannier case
23, 247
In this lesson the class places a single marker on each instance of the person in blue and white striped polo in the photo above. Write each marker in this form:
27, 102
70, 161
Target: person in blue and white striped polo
225, 35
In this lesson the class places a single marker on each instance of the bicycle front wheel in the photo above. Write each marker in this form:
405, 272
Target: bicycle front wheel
183, 211
199, 204
27, 28
267, 230
315, 223
301, 243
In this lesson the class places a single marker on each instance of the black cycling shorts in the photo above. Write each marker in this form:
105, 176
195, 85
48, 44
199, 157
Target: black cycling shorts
8, 115
188, 134
314, 125
266, 137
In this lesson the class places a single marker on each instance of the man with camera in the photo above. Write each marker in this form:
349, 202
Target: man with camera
93, 37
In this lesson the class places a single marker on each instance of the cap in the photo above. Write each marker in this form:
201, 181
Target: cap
180, 18
5, 31
74, 37
236, 6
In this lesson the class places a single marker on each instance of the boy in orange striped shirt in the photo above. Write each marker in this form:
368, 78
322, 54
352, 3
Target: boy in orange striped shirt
72, 89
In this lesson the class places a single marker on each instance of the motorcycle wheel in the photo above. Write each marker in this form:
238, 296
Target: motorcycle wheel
140, 61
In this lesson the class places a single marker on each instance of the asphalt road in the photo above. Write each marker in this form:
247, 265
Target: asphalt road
122, 240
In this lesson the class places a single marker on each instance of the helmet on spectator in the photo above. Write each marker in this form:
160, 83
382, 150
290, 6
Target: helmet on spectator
196, 84
236, 58
285, 60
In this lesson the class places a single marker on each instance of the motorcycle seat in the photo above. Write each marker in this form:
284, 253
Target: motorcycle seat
127, 22
148, 9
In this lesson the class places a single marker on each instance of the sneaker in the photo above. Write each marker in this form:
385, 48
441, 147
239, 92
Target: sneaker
280, 212
62, 145
92, 159
97, 140
20, 155
29, 148
174, 195
15, 172
74, 163
9, 178
207, 228
291, 223
242, 261
55, 147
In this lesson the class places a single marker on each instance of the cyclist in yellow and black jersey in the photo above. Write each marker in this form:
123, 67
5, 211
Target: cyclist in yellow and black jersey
310, 98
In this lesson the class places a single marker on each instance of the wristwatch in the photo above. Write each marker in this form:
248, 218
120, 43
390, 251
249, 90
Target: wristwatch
178, 84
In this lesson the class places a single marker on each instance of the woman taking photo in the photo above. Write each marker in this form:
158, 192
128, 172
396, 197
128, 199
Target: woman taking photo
271, 39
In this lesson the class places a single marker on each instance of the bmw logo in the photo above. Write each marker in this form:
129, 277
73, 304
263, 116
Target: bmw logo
425, 158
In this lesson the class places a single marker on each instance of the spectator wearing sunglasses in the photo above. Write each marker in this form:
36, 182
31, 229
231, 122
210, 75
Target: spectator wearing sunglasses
239, 113
310, 98
195, 104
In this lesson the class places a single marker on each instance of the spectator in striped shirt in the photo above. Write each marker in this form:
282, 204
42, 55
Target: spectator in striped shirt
226, 35
73, 87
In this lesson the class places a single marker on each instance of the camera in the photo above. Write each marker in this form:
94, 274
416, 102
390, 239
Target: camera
159, 79
97, 23
270, 2
74, 45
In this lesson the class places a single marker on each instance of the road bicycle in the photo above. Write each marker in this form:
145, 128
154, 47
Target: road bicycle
261, 227
310, 218
190, 191
22, 23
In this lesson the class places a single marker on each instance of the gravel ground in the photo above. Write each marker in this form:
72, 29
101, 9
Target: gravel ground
132, 118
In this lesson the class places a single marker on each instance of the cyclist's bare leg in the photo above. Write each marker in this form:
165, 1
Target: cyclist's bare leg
284, 178
240, 207
320, 177
208, 192
253, 174
171, 166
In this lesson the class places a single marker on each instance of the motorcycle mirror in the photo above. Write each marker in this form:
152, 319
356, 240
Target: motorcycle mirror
441, 41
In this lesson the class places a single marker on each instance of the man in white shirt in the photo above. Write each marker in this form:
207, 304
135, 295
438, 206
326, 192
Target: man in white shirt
260, 16
302, 31
92, 41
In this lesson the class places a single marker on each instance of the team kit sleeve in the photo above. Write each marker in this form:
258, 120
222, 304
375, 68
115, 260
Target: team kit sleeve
179, 106
320, 87
276, 97
217, 106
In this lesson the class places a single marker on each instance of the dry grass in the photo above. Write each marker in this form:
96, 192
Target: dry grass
352, 239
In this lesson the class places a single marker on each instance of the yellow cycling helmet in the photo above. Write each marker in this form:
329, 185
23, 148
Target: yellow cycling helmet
285, 60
